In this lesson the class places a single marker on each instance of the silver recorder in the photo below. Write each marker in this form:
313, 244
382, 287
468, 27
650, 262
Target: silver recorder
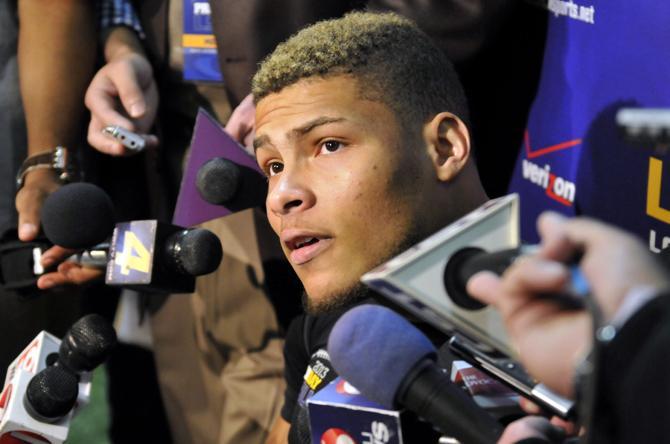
134, 142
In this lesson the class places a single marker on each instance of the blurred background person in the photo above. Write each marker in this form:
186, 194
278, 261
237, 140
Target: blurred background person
46, 64
57, 45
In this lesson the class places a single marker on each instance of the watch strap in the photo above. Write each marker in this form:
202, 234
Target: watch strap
56, 159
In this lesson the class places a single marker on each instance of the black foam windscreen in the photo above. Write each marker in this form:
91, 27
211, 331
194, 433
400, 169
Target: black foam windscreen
194, 252
300, 432
456, 275
87, 343
78, 215
218, 180
51, 394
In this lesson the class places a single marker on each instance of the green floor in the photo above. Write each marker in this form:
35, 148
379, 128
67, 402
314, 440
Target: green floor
90, 425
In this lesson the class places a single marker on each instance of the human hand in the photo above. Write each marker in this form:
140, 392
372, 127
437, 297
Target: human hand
613, 261
38, 185
66, 272
123, 93
549, 339
241, 124
531, 408
532, 427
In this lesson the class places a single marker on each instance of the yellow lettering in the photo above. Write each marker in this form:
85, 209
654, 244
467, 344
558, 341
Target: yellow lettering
134, 256
654, 208
313, 380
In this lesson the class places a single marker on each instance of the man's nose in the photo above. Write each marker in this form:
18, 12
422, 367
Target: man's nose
290, 194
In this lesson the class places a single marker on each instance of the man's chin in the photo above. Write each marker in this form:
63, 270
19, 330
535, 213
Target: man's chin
330, 301
333, 302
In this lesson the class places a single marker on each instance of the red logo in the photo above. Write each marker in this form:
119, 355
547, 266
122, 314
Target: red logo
557, 188
28, 359
5, 397
344, 388
22, 437
336, 436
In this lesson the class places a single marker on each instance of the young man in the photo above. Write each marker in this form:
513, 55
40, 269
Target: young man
360, 130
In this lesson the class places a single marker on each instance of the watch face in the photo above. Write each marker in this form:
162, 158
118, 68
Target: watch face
60, 158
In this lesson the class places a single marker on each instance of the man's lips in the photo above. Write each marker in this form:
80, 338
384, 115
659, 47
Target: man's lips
304, 245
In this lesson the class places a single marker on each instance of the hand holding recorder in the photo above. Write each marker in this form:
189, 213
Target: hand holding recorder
122, 94
549, 339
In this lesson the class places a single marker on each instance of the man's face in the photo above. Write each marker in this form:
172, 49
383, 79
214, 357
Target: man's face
344, 185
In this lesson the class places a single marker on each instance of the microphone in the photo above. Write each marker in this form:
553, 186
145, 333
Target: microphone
220, 177
222, 182
146, 255
393, 363
218, 180
50, 381
51, 394
193, 251
468, 261
339, 411
78, 215
86, 345
415, 278
429, 280
158, 257
53, 391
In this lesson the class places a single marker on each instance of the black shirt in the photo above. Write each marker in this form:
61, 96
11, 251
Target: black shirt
308, 367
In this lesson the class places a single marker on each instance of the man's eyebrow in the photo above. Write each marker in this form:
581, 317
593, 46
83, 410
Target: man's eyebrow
299, 131
259, 141
309, 126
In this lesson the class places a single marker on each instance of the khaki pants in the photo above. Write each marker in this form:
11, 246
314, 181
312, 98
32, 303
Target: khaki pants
218, 351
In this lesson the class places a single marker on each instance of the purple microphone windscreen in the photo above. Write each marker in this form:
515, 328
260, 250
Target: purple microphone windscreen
78, 215
374, 349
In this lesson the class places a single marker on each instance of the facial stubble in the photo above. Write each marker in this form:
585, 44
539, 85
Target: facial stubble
358, 292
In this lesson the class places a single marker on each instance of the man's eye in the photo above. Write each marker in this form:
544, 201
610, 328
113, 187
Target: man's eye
275, 168
330, 146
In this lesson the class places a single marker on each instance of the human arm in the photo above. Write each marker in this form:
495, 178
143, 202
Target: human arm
123, 92
125, 82
56, 54
279, 432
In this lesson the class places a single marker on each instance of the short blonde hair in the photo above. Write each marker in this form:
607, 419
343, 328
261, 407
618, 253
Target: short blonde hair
392, 60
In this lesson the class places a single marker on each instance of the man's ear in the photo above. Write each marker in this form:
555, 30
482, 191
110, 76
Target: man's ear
448, 144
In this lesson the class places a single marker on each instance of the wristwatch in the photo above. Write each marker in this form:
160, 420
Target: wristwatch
56, 159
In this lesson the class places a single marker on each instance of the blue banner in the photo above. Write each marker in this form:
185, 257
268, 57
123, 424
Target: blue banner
201, 61
600, 56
